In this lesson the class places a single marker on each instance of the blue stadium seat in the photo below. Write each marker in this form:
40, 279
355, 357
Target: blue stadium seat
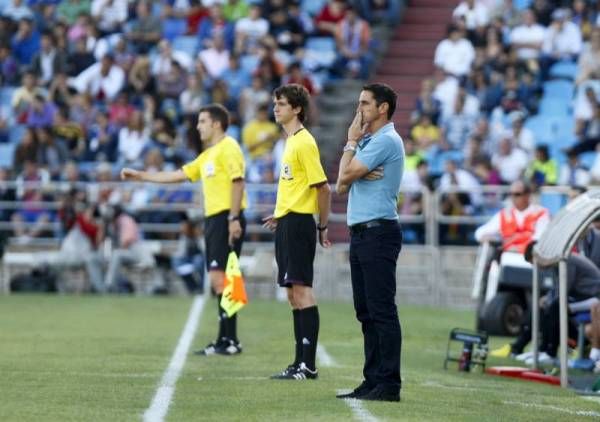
6, 94
566, 70
7, 151
320, 53
559, 89
325, 44
551, 107
521, 4
552, 201
587, 159
541, 126
312, 7
187, 44
16, 133
173, 28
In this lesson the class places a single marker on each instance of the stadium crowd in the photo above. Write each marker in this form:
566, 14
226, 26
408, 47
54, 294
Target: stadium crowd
515, 95
90, 86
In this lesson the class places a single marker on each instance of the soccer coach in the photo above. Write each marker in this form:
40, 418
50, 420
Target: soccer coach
371, 169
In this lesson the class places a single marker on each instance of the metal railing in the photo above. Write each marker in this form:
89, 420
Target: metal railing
261, 202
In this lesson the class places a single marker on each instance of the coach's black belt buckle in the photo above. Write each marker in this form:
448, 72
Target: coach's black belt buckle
357, 228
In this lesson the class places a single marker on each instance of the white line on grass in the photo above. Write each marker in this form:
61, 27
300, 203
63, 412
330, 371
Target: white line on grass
360, 413
325, 358
555, 408
595, 399
162, 399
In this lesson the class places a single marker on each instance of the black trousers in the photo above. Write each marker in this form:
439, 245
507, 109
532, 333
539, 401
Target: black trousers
373, 255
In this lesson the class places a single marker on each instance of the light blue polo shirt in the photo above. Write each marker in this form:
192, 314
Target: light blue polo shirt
370, 200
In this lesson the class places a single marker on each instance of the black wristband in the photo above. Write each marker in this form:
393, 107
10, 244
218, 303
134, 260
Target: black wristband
233, 218
322, 228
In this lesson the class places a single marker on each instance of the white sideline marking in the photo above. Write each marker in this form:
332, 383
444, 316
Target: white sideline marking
595, 399
360, 413
589, 413
162, 399
325, 358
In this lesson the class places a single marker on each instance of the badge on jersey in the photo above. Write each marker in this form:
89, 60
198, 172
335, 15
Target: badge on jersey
286, 171
209, 169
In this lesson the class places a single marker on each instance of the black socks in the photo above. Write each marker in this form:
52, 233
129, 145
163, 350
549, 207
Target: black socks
297, 337
309, 334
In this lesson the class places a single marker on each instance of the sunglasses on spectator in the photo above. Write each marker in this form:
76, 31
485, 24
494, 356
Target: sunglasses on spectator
517, 194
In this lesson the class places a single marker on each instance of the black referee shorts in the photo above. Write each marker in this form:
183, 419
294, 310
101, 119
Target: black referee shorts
295, 246
216, 236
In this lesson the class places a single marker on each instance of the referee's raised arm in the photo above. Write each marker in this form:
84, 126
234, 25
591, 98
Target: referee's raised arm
175, 176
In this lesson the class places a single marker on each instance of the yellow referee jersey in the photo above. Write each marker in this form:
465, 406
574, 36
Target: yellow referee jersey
300, 169
217, 167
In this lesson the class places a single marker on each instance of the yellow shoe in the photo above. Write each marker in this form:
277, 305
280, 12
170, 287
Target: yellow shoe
503, 352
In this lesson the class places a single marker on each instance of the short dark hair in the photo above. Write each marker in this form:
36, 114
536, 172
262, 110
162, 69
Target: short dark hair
217, 112
297, 96
383, 94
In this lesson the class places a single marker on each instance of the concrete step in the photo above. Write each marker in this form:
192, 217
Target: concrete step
406, 66
410, 48
438, 16
420, 32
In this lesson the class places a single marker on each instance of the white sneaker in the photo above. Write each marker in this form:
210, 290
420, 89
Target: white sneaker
543, 359
522, 357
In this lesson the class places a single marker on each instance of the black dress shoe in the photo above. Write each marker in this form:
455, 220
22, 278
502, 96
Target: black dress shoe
381, 394
357, 393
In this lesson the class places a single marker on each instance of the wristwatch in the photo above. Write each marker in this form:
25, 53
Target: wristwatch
233, 218
322, 228
350, 147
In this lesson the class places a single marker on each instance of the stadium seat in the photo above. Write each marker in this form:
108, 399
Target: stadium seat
551, 107
552, 201
565, 70
312, 7
559, 89
187, 44
320, 53
541, 126
173, 28
521, 4
6, 94
6, 154
16, 133
587, 159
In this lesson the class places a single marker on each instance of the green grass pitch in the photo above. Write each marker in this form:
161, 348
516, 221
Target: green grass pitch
67, 358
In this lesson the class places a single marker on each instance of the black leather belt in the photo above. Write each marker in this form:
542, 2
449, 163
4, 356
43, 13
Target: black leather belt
360, 227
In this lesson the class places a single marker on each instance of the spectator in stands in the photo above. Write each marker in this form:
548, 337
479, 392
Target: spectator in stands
250, 30
23, 96
7, 193
120, 110
527, 39
234, 10
193, 97
286, 31
510, 161
425, 133
543, 11
133, 138
83, 111
188, 259
215, 58
30, 220
69, 133
144, 32
80, 59
110, 15
329, 16
26, 150
59, 92
252, 97
485, 172
543, 170
475, 15
16, 10
236, 77
573, 173
140, 79
302, 17
172, 83
487, 90
9, 68
376, 12
523, 136
426, 102
353, 38
562, 41
48, 61
102, 80
161, 64
587, 104
128, 248
589, 59
52, 154
458, 124
259, 136
270, 68
455, 54
467, 186
69, 10
102, 145
41, 112
214, 24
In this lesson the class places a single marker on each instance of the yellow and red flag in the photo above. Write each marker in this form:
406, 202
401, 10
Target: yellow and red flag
234, 294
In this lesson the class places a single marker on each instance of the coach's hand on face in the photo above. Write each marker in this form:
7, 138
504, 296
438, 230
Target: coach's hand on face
235, 231
357, 128
270, 223
130, 174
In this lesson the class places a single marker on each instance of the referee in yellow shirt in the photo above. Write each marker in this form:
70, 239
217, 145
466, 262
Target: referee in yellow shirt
302, 192
221, 168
